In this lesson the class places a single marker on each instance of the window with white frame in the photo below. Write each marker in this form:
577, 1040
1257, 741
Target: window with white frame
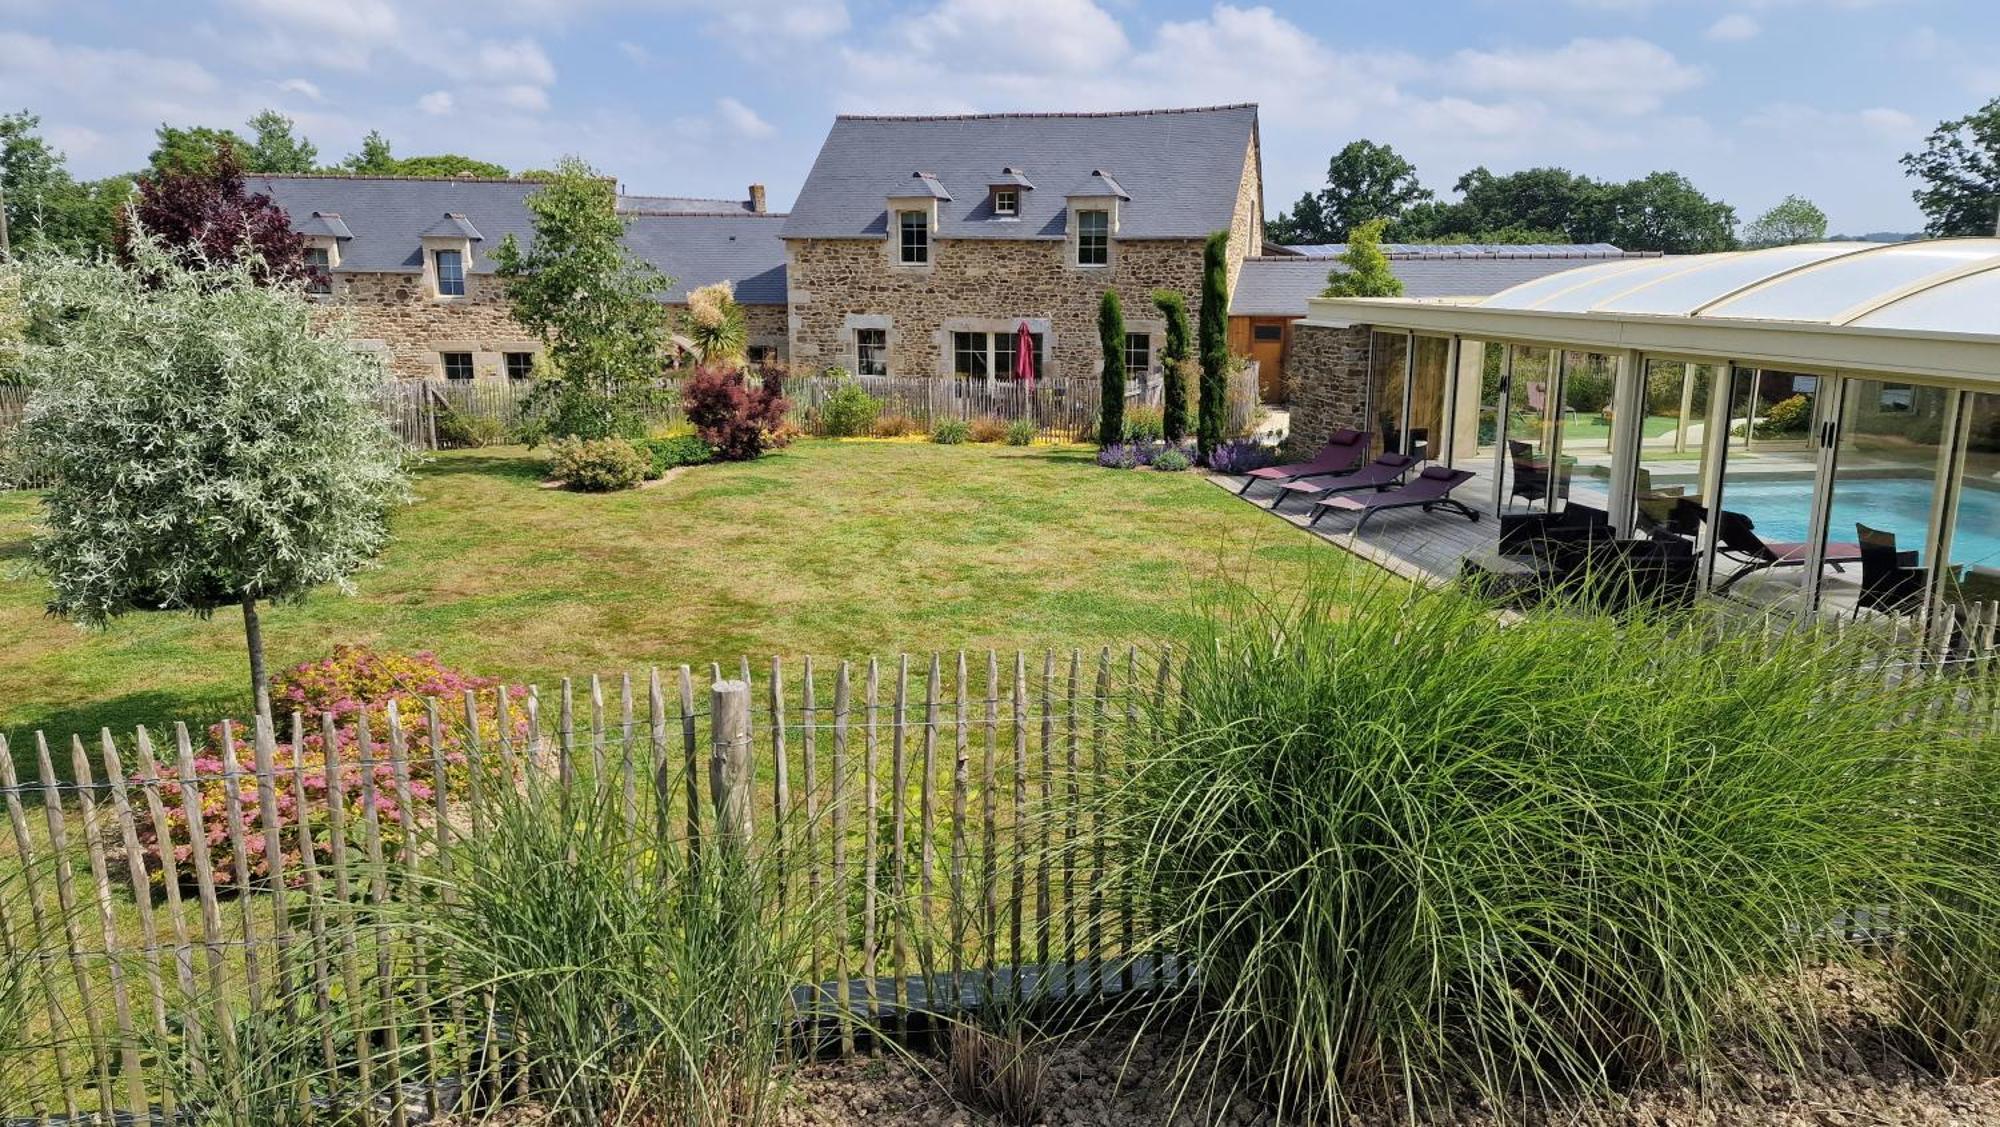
450, 272
1006, 201
319, 270
989, 355
1093, 238
1138, 354
971, 357
915, 228
871, 352
1006, 347
457, 365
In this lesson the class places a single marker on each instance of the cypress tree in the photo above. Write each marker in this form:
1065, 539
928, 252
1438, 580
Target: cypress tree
1111, 333
1214, 330
1173, 359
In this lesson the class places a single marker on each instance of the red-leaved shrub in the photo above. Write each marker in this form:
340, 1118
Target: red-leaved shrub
737, 416
355, 681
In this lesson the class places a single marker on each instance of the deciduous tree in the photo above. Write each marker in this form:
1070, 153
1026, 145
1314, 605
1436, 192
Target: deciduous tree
1795, 220
1364, 181
1367, 272
45, 206
376, 159
275, 148
194, 149
1111, 400
213, 439
1960, 172
208, 218
593, 304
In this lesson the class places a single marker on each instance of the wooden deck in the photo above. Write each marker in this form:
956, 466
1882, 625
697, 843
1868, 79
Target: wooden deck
1425, 547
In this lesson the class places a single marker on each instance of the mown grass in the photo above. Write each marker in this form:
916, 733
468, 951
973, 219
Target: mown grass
829, 548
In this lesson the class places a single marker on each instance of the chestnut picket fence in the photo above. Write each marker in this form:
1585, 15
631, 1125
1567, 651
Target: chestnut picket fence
928, 821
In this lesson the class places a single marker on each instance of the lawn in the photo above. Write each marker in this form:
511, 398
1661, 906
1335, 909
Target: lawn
828, 548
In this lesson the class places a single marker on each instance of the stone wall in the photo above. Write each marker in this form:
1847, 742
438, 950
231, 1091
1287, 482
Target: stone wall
1246, 224
392, 314
1328, 373
1002, 282
992, 285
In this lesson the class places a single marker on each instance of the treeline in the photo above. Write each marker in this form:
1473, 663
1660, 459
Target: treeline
47, 206
1367, 181
1958, 190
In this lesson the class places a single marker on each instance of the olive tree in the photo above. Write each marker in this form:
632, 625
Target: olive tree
211, 440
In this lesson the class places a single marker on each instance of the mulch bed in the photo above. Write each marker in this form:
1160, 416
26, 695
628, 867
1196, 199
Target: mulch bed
1108, 1078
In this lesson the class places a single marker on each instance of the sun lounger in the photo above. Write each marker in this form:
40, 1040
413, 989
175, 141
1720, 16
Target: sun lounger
1740, 542
1386, 470
1341, 454
1430, 490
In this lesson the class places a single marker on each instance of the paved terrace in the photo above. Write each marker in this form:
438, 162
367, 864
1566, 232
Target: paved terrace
1429, 547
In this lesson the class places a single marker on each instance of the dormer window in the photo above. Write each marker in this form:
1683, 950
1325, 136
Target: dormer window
914, 228
1093, 237
450, 265
1007, 201
319, 270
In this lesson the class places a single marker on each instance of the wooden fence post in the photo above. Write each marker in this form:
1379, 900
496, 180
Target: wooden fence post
729, 775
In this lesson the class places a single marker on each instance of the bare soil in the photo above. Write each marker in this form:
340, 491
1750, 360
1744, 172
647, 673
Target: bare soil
1862, 1078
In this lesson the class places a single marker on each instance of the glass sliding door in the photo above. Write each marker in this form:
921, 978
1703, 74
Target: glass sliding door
1885, 477
1538, 474
1424, 437
1974, 550
1388, 371
1674, 439
1495, 364
1764, 524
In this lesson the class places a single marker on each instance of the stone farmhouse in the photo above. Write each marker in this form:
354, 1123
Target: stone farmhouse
919, 245
410, 261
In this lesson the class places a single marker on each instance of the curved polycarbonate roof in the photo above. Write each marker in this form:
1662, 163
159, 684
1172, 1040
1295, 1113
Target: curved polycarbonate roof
1932, 286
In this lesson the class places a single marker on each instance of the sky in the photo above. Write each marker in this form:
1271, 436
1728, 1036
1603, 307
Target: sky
1753, 99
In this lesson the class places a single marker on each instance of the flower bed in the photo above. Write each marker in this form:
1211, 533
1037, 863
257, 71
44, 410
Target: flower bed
353, 684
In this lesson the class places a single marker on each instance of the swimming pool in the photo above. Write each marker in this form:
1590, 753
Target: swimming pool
1894, 504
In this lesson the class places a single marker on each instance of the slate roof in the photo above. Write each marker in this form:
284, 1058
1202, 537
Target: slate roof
690, 205
1181, 169
698, 250
324, 223
1469, 250
388, 215
452, 225
1280, 287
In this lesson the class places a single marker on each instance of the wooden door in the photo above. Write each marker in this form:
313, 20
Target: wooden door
1268, 337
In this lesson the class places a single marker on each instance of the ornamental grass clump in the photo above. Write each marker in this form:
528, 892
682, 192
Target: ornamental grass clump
644, 986
1416, 854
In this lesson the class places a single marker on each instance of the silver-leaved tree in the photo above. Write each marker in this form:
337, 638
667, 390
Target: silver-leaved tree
210, 440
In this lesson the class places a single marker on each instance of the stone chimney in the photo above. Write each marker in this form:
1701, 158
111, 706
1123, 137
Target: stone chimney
757, 198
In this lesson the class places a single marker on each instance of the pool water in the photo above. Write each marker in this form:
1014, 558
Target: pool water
1900, 505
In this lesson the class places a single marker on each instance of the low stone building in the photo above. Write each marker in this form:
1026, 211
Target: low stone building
1274, 289
919, 245
410, 261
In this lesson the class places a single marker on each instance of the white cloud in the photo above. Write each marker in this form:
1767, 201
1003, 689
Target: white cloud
303, 88
521, 61
437, 103
518, 96
1054, 37
1625, 75
1733, 28
753, 24
742, 119
634, 51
